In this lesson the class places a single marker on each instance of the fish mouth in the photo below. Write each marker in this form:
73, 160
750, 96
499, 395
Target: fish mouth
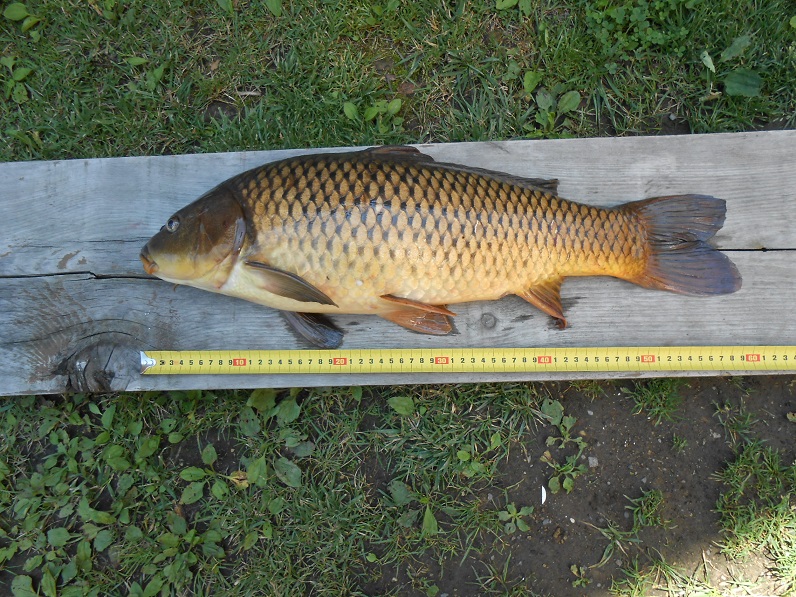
150, 266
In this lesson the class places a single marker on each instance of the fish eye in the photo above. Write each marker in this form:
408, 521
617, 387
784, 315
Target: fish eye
173, 224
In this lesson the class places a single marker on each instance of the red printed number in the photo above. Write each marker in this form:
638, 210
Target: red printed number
648, 358
544, 360
753, 358
238, 362
441, 361
340, 361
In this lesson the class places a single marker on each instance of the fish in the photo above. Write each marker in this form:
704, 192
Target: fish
391, 232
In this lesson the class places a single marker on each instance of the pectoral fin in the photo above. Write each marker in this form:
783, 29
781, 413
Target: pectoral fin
547, 297
315, 328
288, 285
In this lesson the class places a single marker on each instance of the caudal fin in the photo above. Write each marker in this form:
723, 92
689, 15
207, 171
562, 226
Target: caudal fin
680, 260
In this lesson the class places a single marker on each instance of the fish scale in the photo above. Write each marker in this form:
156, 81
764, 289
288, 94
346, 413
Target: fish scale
456, 229
389, 231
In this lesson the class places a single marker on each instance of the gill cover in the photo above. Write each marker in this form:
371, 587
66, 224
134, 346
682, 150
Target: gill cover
200, 242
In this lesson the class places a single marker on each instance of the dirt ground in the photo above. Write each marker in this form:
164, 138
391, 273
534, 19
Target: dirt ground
627, 455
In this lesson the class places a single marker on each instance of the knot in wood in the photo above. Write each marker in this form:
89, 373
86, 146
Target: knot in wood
100, 367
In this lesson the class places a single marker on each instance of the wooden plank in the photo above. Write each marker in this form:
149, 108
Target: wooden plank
111, 206
73, 291
49, 321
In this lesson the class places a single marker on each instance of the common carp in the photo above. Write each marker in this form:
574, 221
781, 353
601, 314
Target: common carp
389, 231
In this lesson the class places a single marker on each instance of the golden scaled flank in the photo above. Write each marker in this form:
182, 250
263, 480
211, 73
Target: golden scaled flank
475, 238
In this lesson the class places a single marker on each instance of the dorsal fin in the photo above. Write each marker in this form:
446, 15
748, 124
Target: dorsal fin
548, 185
401, 152
406, 153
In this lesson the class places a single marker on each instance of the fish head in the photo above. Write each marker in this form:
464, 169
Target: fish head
199, 244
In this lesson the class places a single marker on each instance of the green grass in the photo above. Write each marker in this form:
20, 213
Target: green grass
333, 491
757, 508
122, 77
317, 490
756, 511
661, 577
657, 398
591, 389
645, 512
564, 472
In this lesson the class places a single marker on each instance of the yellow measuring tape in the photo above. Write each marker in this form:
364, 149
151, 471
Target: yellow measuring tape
471, 360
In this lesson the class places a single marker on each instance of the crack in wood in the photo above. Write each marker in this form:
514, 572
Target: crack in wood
134, 240
91, 275
67, 328
758, 250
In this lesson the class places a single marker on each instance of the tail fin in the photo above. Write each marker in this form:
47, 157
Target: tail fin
680, 260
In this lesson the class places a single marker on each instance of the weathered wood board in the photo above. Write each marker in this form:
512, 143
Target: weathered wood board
73, 294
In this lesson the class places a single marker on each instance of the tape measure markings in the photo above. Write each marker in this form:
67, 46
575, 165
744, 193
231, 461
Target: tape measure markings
470, 360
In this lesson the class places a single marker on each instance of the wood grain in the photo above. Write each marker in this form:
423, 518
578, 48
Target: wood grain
72, 290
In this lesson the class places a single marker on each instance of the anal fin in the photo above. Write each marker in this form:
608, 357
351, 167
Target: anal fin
547, 297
